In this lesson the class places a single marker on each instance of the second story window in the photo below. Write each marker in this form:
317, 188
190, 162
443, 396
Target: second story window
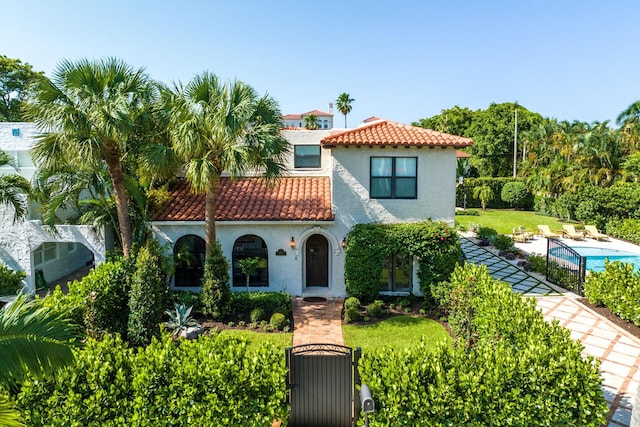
15, 132
394, 178
306, 156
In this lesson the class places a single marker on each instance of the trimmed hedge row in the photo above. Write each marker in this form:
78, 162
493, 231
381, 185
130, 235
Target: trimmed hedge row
627, 229
243, 303
515, 196
214, 381
617, 288
508, 367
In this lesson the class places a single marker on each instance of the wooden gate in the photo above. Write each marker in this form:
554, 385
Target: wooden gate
321, 381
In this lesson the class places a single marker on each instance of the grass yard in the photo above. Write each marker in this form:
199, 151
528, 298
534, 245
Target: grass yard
280, 339
397, 333
503, 220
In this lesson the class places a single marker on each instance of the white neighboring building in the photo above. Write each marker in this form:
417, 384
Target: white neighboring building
382, 172
324, 120
27, 245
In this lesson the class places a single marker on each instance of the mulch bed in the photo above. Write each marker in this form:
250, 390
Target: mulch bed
613, 318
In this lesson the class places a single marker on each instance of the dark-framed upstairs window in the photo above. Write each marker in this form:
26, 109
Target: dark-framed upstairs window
394, 178
306, 156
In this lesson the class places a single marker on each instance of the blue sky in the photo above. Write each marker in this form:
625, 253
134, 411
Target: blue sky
400, 60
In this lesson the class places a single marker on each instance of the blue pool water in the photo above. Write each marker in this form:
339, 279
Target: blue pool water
597, 256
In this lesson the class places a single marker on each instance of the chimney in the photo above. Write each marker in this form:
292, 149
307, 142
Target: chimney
331, 108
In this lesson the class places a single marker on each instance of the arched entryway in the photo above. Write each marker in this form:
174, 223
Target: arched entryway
188, 257
316, 252
250, 246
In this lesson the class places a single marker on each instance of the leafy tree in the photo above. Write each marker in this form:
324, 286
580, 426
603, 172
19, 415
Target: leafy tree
91, 112
218, 127
455, 121
12, 189
249, 267
311, 122
15, 79
484, 193
343, 104
33, 340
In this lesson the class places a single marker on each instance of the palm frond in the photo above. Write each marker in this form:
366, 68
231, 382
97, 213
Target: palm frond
9, 416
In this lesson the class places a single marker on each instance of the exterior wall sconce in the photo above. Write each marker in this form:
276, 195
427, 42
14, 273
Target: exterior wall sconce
292, 243
344, 243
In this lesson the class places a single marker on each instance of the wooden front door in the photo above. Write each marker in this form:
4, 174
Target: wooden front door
317, 261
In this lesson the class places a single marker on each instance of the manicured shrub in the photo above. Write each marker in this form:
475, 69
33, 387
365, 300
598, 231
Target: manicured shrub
516, 195
215, 297
467, 212
245, 302
10, 281
508, 367
537, 263
502, 241
375, 309
472, 201
617, 288
257, 314
627, 229
278, 321
213, 381
147, 296
352, 302
486, 233
352, 314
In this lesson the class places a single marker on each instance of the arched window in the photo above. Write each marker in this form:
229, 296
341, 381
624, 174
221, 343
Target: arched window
188, 258
250, 246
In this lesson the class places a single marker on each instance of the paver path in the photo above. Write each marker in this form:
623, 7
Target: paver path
317, 322
618, 351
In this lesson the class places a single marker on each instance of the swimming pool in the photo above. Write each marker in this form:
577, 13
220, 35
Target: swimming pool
596, 257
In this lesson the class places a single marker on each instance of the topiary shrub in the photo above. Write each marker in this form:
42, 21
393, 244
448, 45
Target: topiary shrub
257, 315
215, 297
278, 321
147, 296
352, 314
10, 281
516, 195
352, 302
375, 309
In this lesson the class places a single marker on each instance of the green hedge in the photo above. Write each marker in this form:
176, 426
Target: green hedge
508, 367
214, 381
434, 244
10, 281
617, 288
627, 229
496, 185
243, 303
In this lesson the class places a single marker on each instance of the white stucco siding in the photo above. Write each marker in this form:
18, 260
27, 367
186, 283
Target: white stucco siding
18, 147
286, 272
351, 181
307, 137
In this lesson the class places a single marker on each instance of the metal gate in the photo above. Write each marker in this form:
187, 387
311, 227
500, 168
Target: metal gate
565, 267
321, 381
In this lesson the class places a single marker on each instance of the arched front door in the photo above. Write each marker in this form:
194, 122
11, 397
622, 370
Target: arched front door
317, 261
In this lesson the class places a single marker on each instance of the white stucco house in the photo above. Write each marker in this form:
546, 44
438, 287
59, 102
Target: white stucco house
28, 246
380, 172
324, 120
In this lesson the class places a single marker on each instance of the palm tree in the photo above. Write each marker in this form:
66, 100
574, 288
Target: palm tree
90, 115
33, 340
12, 187
484, 193
311, 122
218, 127
343, 104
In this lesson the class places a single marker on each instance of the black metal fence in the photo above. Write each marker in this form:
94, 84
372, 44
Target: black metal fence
565, 267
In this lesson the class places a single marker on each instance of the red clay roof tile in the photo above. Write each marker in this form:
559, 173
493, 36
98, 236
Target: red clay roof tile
387, 133
252, 199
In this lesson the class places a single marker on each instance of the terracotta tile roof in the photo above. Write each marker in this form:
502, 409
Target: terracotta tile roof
388, 133
251, 199
316, 113
461, 154
292, 117
371, 119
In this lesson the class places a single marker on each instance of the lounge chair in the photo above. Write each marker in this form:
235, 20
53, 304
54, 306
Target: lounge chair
527, 234
593, 232
546, 232
517, 236
568, 230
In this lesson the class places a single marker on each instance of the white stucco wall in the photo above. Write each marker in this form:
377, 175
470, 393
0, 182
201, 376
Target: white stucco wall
351, 180
18, 147
286, 273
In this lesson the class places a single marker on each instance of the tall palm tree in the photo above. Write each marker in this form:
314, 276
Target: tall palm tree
12, 187
224, 127
343, 104
90, 115
311, 122
33, 340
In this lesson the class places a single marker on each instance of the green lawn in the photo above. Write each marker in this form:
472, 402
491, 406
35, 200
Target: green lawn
503, 220
280, 340
397, 333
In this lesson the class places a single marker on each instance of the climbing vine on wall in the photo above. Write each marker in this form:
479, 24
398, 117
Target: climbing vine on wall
434, 244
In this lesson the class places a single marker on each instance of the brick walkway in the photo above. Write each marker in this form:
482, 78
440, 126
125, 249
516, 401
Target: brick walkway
317, 322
